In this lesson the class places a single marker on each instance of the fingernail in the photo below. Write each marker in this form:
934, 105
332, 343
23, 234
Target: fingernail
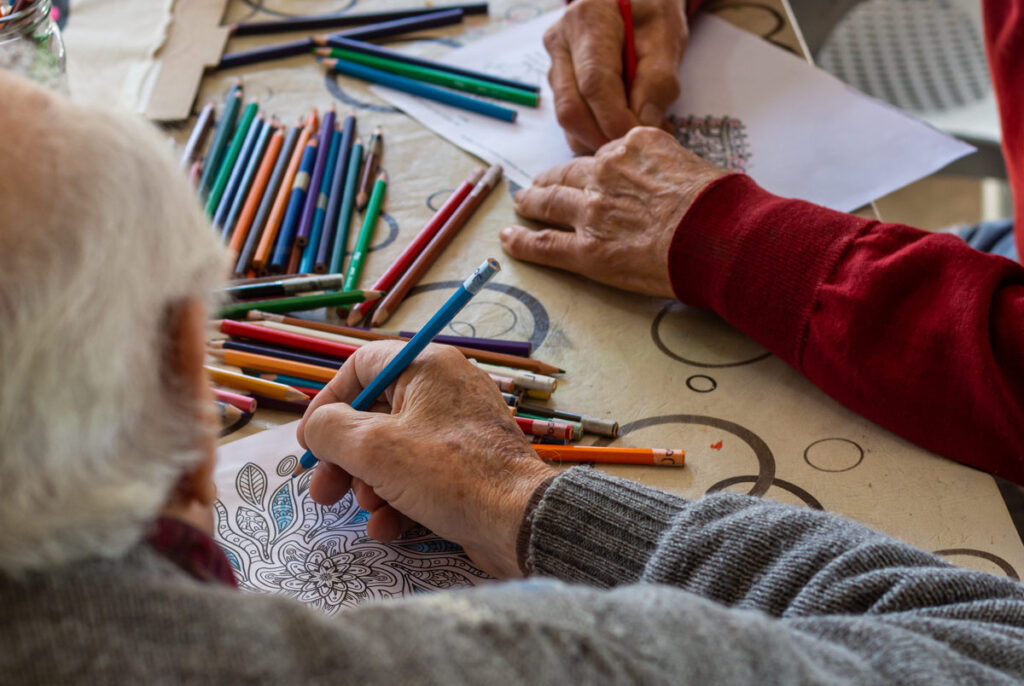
505, 233
650, 115
519, 194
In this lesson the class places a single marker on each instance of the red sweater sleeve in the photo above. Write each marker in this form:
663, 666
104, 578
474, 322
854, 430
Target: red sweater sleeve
916, 331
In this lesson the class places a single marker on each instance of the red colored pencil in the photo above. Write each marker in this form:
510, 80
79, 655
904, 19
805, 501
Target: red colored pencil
540, 427
415, 247
286, 338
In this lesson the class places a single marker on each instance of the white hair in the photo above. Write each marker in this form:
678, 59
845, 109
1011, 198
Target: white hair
100, 239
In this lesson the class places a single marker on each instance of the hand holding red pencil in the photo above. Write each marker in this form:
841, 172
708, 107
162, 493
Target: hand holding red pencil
442, 450
589, 67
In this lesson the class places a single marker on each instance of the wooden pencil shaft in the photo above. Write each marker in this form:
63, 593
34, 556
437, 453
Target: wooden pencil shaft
437, 245
371, 49
194, 145
258, 191
221, 139
249, 383
328, 21
277, 352
286, 234
355, 267
269, 194
266, 363
315, 180
439, 77
334, 201
289, 287
242, 192
238, 170
296, 303
320, 211
644, 456
347, 209
369, 172
228, 165
228, 413
302, 46
292, 340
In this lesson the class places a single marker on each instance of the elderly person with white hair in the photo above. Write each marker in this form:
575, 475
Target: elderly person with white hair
108, 573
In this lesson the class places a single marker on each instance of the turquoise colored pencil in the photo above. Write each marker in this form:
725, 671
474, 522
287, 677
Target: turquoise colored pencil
286, 235
228, 165
355, 266
415, 346
320, 213
348, 206
227, 199
323, 253
221, 137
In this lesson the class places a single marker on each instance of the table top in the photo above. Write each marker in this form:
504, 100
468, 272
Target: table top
673, 376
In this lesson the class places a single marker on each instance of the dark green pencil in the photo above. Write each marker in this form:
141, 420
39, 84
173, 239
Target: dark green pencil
298, 303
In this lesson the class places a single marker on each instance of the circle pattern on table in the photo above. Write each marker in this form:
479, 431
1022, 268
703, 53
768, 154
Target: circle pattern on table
295, 8
999, 562
700, 339
499, 316
701, 383
834, 455
788, 486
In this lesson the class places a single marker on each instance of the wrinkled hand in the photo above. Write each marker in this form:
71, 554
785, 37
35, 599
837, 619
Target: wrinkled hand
624, 204
441, 449
586, 74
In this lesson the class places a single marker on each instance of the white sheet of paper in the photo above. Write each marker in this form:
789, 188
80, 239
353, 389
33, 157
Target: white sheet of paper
798, 131
279, 541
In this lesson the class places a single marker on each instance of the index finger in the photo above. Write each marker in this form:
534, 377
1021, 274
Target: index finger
357, 372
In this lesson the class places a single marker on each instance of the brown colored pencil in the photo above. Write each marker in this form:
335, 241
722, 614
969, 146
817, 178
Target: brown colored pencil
284, 193
369, 173
488, 356
437, 244
256, 192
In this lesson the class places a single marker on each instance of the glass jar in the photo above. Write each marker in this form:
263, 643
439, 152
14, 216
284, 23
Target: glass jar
31, 44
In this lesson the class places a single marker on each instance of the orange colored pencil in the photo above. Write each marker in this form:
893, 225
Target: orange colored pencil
592, 453
244, 382
265, 363
283, 194
259, 185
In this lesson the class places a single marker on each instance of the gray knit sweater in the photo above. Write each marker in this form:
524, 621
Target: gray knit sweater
724, 590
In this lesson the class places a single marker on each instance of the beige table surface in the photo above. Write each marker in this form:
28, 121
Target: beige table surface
672, 376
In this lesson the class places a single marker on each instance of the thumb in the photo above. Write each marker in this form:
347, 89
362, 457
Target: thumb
550, 247
348, 438
655, 88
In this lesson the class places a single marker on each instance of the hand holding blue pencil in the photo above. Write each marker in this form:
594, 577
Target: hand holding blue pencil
470, 287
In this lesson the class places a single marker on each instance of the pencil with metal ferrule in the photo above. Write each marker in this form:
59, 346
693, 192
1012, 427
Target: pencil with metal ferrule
257, 192
320, 211
269, 238
230, 157
437, 245
243, 402
417, 244
355, 266
297, 303
266, 363
347, 209
327, 237
241, 194
437, 77
316, 178
423, 90
194, 145
302, 46
359, 46
463, 294
275, 351
266, 202
329, 21
273, 289
597, 425
221, 138
589, 453
369, 171
286, 235
292, 340
245, 382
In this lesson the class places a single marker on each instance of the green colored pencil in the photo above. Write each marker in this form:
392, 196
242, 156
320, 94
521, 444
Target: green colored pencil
355, 267
248, 114
435, 76
348, 206
298, 302
225, 127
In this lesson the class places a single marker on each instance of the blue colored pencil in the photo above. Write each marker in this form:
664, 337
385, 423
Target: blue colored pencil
242, 193
309, 254
309, 209
238, 170
415, 346
286, 234
423, 90
323, 253
348, 206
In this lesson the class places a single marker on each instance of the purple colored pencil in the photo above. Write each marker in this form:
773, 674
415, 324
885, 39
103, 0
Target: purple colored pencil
282, 353
517, 348
332, 21
313, 194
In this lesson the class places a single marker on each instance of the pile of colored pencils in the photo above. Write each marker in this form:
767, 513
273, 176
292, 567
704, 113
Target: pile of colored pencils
348, 52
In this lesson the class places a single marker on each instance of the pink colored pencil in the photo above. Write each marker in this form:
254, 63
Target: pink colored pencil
242, 402
415, 247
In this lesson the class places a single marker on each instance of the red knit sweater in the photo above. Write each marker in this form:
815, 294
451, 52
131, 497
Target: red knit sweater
916, 331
